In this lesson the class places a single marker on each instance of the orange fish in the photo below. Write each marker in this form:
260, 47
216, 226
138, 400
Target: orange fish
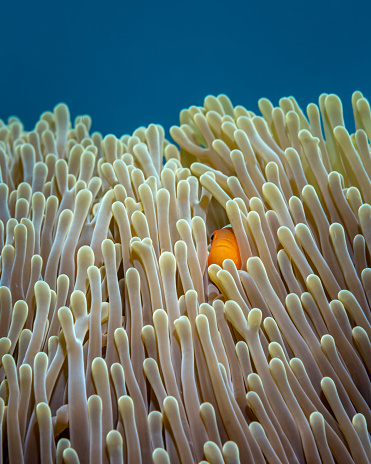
224, 246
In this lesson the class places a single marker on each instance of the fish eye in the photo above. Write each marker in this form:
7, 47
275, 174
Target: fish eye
212, 236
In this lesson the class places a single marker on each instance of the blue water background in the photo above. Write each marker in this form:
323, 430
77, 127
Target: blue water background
129, 64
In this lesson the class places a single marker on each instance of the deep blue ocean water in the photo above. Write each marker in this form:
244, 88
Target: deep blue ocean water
128, 64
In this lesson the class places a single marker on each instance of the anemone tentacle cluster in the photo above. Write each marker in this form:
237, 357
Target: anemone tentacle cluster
119, 344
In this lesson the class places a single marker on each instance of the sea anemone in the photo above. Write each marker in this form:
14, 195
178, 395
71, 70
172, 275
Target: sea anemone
120, 344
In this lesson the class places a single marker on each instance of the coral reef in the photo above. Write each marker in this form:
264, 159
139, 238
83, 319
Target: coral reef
119, 344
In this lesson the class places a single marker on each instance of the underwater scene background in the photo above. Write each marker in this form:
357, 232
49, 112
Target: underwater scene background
132, 63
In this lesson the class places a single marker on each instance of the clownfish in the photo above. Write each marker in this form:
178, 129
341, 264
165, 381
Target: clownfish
224, 246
